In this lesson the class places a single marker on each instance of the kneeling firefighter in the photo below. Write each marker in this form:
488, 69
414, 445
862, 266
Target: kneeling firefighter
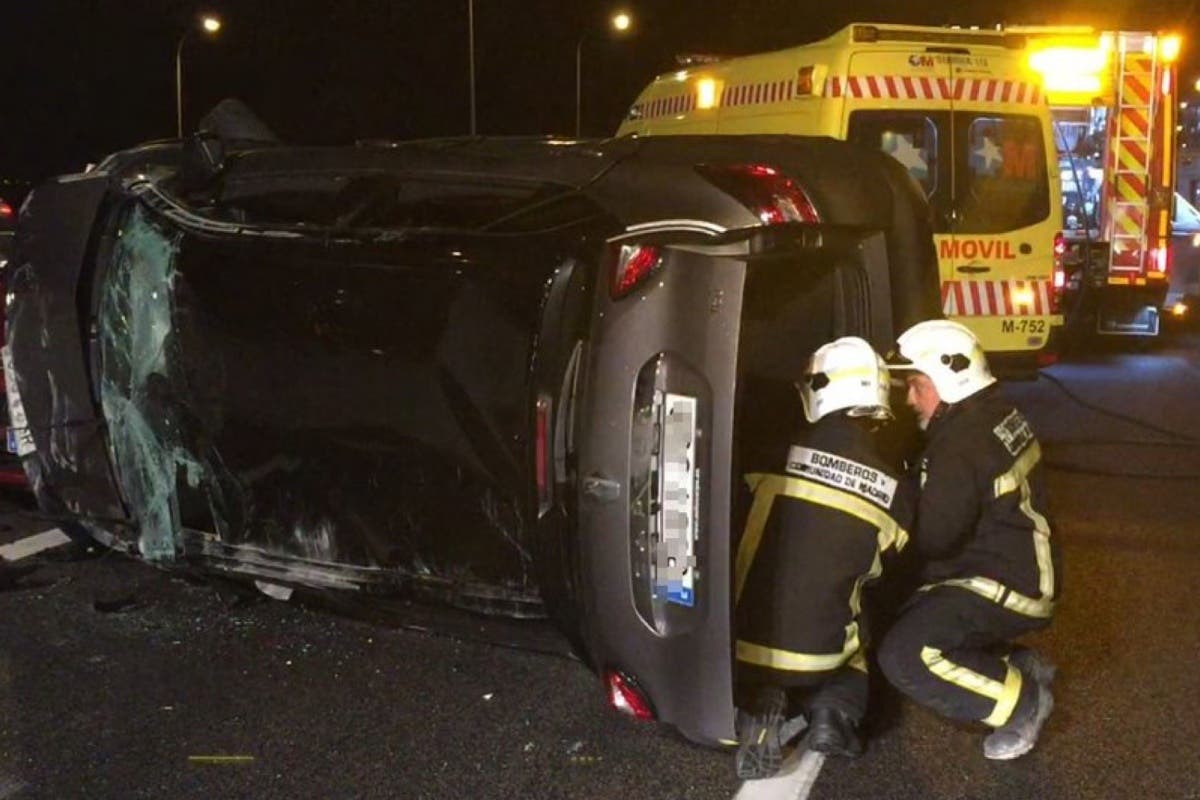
814, 535
990, 565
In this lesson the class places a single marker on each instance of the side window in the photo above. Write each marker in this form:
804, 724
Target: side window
1001, 173
911, 139
917, 140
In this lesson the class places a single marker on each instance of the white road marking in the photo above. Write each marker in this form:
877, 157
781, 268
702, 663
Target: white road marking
32, 545
794, 781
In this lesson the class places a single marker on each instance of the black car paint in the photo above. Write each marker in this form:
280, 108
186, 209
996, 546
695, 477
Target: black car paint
332, 402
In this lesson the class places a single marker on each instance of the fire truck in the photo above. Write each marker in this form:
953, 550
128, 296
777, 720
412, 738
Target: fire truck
1113, 98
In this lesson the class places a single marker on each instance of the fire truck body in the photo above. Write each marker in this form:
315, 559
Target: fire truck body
1113, 98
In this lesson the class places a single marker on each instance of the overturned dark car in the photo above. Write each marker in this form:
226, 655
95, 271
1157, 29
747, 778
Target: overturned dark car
520, 376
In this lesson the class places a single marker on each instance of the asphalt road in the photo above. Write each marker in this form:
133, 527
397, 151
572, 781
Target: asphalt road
118, 680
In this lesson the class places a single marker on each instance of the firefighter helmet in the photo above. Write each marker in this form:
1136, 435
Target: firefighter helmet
848, 374
949, 354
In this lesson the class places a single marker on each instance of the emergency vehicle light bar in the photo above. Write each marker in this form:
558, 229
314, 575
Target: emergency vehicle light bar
871, 33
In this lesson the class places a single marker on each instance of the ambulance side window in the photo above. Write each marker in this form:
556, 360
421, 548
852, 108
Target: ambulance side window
911, 139
1001, 173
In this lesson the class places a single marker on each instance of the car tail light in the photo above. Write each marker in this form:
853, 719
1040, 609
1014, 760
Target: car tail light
625, 696
541, 453
6, 211
631, 264
772, 196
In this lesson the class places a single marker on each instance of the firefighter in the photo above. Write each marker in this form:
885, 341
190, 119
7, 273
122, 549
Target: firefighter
814, 535
990, 568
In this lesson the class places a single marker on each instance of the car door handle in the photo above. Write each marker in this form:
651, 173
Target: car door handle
973, 270
597, 487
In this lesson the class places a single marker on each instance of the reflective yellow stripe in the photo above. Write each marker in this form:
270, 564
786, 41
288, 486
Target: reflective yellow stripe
791, 661
1017, 479
995, 591
756, 523
1005, 694
960, 676
1007, 700
1019, 472
890, 534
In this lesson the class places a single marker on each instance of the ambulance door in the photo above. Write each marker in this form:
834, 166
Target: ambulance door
900, 102
1005, 228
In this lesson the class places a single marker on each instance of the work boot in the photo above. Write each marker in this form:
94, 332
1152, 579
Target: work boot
760, 751
1031, 663
1018, 736
834, 733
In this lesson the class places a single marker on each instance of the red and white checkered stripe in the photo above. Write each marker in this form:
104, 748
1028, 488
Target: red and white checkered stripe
996, 298
905, 87
665, 106
748, 94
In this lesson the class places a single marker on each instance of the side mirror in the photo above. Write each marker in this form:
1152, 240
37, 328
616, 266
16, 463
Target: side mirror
203, 160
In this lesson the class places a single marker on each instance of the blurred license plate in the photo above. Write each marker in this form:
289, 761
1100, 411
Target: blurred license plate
18, 438
678, 492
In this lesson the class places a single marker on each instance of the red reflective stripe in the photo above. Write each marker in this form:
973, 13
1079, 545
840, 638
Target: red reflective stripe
948, 297
976, 302
855, 89
976, 88
1006, 92
993, 304
959, 86
1021, 92
910, 89
872, 86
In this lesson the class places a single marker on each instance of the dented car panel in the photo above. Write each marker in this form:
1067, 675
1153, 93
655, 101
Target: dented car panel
405, 369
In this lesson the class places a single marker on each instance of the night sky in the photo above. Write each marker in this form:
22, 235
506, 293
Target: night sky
85, 77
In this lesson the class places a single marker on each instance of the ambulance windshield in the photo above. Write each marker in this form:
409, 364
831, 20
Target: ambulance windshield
994, 181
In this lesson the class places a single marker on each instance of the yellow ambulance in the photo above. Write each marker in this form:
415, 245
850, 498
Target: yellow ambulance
960, 109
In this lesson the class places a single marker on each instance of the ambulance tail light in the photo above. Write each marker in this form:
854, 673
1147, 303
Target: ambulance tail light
629, 265
1060, 272
626, 696
770, 195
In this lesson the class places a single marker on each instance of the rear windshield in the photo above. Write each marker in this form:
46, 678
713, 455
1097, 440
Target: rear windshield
982, 173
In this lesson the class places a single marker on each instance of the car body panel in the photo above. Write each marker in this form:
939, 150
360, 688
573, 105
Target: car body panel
399, 369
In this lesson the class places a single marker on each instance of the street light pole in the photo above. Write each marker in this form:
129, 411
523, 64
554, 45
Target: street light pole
620, 22
578, 83
471, 56
209, 25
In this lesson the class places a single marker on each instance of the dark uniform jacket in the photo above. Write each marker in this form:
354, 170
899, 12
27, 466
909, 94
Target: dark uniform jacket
982, 519
814, 535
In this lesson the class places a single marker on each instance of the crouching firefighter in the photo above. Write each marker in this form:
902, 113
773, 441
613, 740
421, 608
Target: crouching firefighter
814, 535
981, 529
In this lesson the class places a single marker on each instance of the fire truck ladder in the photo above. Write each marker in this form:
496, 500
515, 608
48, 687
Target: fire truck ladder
1131, 155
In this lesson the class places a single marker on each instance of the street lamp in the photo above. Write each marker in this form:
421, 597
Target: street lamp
210, 25
471, 56
620, 22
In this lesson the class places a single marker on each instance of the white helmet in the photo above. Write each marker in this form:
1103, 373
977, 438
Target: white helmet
845, 374
949, 354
